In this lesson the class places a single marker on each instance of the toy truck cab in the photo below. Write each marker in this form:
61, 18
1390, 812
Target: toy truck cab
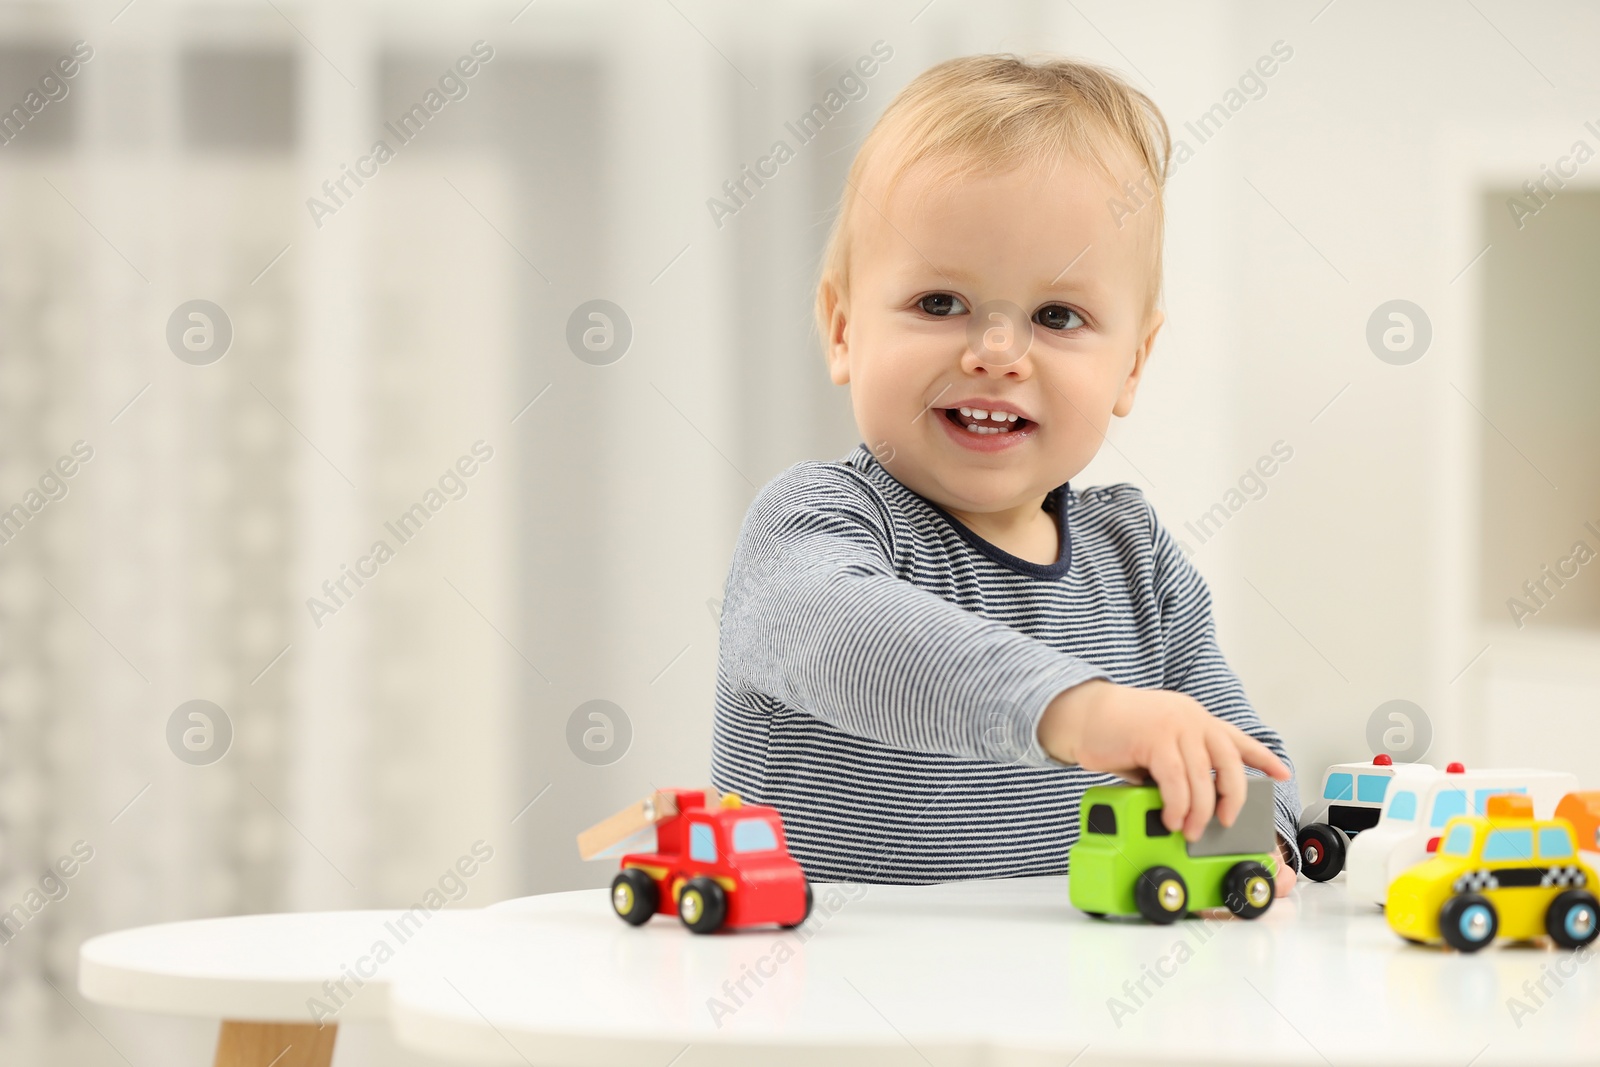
1126, 862
1506, 874
1351, 801
1415, 814
727, 865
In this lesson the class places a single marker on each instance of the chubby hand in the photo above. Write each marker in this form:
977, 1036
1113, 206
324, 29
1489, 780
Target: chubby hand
1126, 731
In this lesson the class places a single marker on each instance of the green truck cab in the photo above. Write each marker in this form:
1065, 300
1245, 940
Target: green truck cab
1125, 862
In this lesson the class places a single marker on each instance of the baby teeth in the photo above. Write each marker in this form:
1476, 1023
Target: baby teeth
997, 416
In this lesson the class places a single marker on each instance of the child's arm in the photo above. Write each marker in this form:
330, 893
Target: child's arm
1200, 719
814, 615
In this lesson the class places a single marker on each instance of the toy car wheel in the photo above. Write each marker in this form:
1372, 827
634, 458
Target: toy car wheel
805, 914
1247, 889
1573, 918
1095, 914
634, 896
702, 905
1161, 895
1468, 921
1322, 851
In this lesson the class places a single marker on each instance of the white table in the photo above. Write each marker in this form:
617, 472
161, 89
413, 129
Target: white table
996, 973
260, 975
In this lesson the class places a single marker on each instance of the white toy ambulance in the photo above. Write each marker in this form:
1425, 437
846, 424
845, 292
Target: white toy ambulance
1351, 801
1414, 814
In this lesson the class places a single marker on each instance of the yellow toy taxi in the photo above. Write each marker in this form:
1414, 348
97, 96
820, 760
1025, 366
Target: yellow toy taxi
1502, 874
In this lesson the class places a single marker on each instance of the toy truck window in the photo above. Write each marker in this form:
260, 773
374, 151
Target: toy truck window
1153, 826
1555, 843
1338, 787
1403, 806
702, 843
754, 835
1459, 843
1480, 799
1102, 820
1508, 845
1371, 787
1447, 805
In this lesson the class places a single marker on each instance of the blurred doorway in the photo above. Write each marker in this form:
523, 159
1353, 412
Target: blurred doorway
1538, 474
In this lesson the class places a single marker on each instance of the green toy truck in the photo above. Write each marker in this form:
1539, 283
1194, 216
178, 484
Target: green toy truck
1125, 862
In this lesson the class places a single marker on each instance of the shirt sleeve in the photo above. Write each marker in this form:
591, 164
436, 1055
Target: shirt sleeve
1195, 666
815, 616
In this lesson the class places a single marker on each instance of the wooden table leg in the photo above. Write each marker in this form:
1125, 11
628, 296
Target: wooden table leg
247, 1044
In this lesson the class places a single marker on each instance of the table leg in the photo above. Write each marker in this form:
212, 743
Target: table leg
249, 1044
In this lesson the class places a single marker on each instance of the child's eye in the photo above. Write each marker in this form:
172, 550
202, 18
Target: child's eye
1058, 317
941, 304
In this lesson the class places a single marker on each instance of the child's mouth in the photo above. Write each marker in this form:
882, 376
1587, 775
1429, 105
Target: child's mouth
981, 423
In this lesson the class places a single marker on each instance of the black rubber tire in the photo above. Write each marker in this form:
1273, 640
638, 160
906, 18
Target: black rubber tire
806, 915
1322, 851
1556, 918
1247, 889
702, 905
1450, 917
1095, 914
641, 897
1157, 900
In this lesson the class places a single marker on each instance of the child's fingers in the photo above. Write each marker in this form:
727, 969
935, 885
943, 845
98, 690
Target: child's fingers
1202, 792
1258, 755
1283, 880
1231, 786
1166, 767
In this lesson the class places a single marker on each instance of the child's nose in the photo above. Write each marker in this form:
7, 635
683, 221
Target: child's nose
999, 338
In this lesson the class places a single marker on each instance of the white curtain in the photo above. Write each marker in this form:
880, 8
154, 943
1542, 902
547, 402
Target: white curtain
374, 743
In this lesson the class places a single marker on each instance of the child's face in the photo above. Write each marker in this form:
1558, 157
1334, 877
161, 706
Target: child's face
1033, 253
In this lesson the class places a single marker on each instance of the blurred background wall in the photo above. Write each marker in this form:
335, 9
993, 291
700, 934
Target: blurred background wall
1382, 262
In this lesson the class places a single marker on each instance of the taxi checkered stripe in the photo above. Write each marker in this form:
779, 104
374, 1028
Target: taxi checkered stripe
1476, 882
1564, 877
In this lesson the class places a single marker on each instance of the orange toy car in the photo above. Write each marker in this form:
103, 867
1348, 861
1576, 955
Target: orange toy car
1582, 810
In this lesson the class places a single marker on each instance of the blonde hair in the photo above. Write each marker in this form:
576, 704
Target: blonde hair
993, 113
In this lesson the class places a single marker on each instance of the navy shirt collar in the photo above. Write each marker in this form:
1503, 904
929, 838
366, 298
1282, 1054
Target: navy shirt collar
1058, 500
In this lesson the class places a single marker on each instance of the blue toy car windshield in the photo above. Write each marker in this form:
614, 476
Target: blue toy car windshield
1509, 845
1371, 787
1338, 787
1555, 843
1459, 843
702, 843
753, 835
1447, 805
1403, 806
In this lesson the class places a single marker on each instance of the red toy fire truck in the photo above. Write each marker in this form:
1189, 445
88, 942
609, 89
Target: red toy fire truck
712, 862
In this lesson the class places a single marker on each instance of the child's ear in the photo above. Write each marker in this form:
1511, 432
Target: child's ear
837, 343
1124, 402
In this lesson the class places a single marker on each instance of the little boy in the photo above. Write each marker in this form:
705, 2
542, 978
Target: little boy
931, 647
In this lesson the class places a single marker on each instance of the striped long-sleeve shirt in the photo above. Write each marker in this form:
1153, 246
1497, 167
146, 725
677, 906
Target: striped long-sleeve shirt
882, 670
